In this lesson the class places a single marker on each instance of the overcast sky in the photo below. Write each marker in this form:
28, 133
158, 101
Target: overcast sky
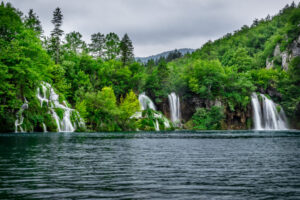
154, 26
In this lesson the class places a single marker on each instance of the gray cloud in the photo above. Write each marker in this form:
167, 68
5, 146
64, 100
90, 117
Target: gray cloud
154, 25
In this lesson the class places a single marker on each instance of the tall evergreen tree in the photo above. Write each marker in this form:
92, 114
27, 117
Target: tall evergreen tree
56, 33
112, 46
97, 45
126, 48
32, 21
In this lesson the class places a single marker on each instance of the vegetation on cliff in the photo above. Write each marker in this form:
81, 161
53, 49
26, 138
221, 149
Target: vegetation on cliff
101, 79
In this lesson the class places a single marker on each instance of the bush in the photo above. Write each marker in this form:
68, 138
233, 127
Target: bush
208, 119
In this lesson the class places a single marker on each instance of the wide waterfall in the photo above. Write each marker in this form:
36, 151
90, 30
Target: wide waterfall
266, 114
174, 104
65, 123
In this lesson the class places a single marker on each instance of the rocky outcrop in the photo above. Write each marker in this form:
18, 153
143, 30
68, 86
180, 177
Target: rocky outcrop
269, 64
286, 56
189, 105
295, 48
164, 107
272, 92
285, 60
238, 119
276, 51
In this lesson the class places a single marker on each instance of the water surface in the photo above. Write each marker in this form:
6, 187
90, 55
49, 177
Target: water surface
165, 165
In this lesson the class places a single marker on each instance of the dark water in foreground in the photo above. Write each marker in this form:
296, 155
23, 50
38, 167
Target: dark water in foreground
176, 165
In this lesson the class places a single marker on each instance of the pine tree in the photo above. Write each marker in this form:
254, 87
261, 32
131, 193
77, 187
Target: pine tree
97, 45
32, 21
112, 46
126, 48
56, 33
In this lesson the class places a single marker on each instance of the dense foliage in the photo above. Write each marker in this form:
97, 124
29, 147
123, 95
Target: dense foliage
231, 68
101, 79
205, 119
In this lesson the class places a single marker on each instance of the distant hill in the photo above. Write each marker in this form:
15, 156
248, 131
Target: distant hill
164, 54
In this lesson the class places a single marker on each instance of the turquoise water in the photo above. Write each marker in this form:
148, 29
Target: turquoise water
164, 165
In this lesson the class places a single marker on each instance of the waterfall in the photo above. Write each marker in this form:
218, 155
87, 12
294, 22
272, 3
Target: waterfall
266, 115
156, 125
65, 124
174, 104
44, 128
256, 112
20, 118
146, 102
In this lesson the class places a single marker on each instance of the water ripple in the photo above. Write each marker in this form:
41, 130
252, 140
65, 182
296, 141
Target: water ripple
165, 165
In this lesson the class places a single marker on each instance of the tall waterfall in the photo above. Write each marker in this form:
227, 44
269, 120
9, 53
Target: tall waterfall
174, 103
256, 112
44, 128
146, 102
267, 115
65, 124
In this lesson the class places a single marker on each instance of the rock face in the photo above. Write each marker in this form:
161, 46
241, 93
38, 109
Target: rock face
286, 56
234, 119
269, 64
237, 119
295, 47
277, 51
285, 59
189, 106
164, 107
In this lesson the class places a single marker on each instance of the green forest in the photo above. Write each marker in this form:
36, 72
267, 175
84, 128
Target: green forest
100, 82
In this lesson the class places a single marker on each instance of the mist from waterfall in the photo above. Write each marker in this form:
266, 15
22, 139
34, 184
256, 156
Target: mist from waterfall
266, 114
174, 104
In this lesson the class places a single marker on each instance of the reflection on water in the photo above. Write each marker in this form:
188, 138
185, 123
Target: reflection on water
169, 165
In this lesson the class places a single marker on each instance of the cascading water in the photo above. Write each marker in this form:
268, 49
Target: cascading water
256, 112
146, 102
44, 128
174, 104
65, 124
20, 118
266, 115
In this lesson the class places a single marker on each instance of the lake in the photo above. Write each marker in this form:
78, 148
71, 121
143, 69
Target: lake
163, 165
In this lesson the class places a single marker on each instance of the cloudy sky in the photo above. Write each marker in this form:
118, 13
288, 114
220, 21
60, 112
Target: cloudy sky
154, 26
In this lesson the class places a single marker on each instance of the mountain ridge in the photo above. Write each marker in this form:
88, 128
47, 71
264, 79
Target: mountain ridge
164, 54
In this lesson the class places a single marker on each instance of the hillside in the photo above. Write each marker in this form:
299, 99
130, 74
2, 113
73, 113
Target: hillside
60, 83
262, 58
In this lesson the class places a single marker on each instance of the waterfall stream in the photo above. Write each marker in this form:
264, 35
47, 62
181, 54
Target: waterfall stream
256, 112
266, 114
146, 102
44, 128
174, 104
65, 124
20, 118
